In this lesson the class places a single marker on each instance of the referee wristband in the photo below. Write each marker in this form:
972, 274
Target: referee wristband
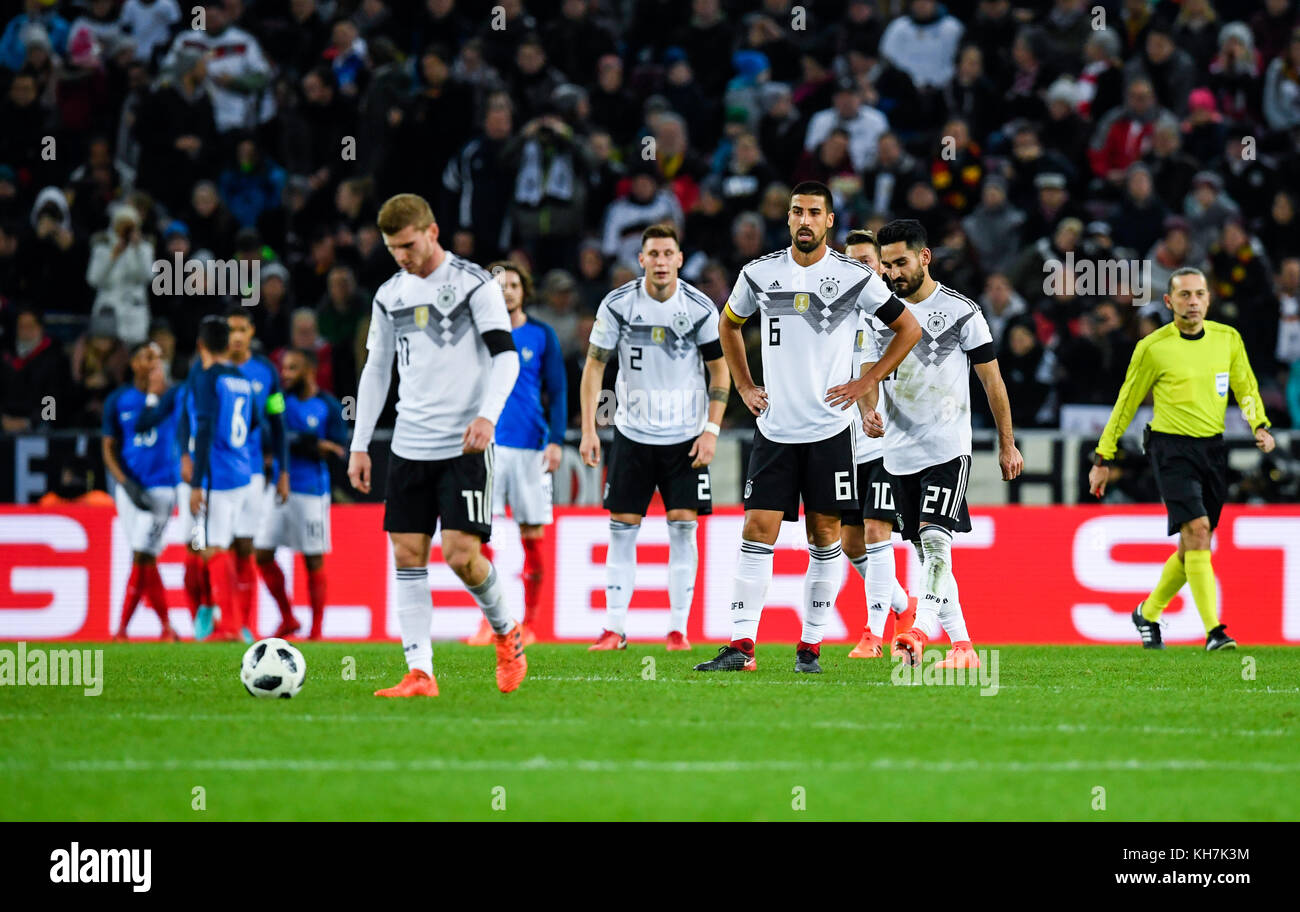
711, 427
1099, 460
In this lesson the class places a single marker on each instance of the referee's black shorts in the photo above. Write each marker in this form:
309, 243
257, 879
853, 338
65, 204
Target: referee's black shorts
1192, 475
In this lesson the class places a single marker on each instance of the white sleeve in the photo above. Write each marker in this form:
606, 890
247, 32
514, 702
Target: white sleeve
975, 332
488, 307
742, 301
372, 387
874, 293
605, 331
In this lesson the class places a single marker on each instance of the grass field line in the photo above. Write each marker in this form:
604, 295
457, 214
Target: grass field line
553, 764
1064, 728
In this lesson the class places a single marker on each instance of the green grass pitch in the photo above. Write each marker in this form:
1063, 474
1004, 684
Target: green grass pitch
1178, 735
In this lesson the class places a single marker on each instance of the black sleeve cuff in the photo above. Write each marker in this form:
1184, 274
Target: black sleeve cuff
711, 351
982, 354
498, 341
1099, 460
890, 311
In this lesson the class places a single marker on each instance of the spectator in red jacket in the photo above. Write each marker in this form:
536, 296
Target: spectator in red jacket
1124, 134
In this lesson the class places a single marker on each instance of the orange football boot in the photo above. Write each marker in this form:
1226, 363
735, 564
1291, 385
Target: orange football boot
904, 620
869, 647
169, 636
910, 644
607, 640
960, 657
677, 642
512, 664
528, 636
415, 684
483, 636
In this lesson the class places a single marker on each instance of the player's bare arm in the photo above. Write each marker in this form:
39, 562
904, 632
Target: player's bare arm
872, 422
1009, 459
593, 375
733, 350
907, 332
705, 445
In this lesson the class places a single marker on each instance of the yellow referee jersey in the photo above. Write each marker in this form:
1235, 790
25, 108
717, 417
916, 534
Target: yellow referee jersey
1191, 377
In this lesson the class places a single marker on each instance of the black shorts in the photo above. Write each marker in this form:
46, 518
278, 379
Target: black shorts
1192, 475
636, 469
875, 496
457, 491
822, 473
934, 495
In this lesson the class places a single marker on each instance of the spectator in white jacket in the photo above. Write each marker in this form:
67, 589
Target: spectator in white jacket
1282, 87
864, 124
121, 266
923, 44
239, 75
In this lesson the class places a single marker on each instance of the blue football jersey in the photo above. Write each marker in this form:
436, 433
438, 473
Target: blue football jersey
321, 416
524, 423
225, 416
267, 400
150, 456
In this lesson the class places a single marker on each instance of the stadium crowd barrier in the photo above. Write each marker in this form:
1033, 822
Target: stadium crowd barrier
1027, 574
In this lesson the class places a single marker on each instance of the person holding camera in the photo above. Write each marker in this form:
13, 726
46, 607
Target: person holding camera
119, 271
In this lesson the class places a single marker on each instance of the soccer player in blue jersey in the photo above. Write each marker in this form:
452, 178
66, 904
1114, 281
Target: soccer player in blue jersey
529, 438
268, 402
146, 467
223, 416
313, 423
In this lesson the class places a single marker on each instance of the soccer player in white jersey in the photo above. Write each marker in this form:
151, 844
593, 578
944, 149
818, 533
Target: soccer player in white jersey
665, 426
866, 532
810, 297
926, 426
445, 321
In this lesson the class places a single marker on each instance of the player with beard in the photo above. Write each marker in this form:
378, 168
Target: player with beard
866, 533
810, 298
928, 443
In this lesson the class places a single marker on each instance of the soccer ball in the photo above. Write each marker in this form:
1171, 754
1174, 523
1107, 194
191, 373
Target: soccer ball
273, 668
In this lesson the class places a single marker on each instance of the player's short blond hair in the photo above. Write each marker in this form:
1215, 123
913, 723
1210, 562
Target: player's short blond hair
402, 211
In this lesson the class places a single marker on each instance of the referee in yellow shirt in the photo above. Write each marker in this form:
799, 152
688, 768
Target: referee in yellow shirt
1192, 363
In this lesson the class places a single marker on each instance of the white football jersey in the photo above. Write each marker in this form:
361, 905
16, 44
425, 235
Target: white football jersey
434, 326
810, 322
865, 350
661, 390
926, 402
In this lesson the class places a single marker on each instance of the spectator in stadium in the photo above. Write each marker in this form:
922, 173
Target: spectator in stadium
956, 167
1243, 290
613, 107
764, 35
593, 284
1234, 75
558, 308
1271, 27
831, 159
927, 24
1064, 131
647, 203
1171, 168
1141, 215
150, 24
863, 124
33, 377
120, 269
238, 72
1001, 305
679, 168
99, 363
13, 51
1101, 83
175, 367
1173, 251
339, 315
346, 54
1203, 128
781, 128
746, 241
428, 127
972, 96
775, 210
532, 79
56, 255
551, 169
1196, 30
1066, 29
704, 33
1028, 276
576, 39
252, 184
1122, 136
271, 318
1093, 361
1034, 72
1170, 69
26, 122
745, 177
753, 71
1282, 87
211, 227
1207, 207
1028, 160
176, 130
1052, 204
994, 226
1279, 231
1028, 369
304, 334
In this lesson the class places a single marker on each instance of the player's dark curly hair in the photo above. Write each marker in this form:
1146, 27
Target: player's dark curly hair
905, 231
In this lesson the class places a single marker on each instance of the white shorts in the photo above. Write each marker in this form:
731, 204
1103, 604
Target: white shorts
301, 524
183, 513
520, 479
261, 497
145, 529
216, 522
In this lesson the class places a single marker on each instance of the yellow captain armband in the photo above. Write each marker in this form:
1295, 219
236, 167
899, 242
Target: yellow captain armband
731, 314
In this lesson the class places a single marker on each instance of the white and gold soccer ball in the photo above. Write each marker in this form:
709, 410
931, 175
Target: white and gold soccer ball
273, 668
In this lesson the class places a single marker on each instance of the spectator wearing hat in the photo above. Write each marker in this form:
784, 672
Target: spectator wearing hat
1170, 69
551, 169
1064, 131
55, 254
120, 270
1207, 207
863, 124
1141, 214
1234, 75
1052, 203
647, 203
41, 62
1029, 371
995, 226
1282, 87
1123, 136
99, 362
1203, 128
1171, 168
35, 12
744, 91
34, 371
276, 304
176, 129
